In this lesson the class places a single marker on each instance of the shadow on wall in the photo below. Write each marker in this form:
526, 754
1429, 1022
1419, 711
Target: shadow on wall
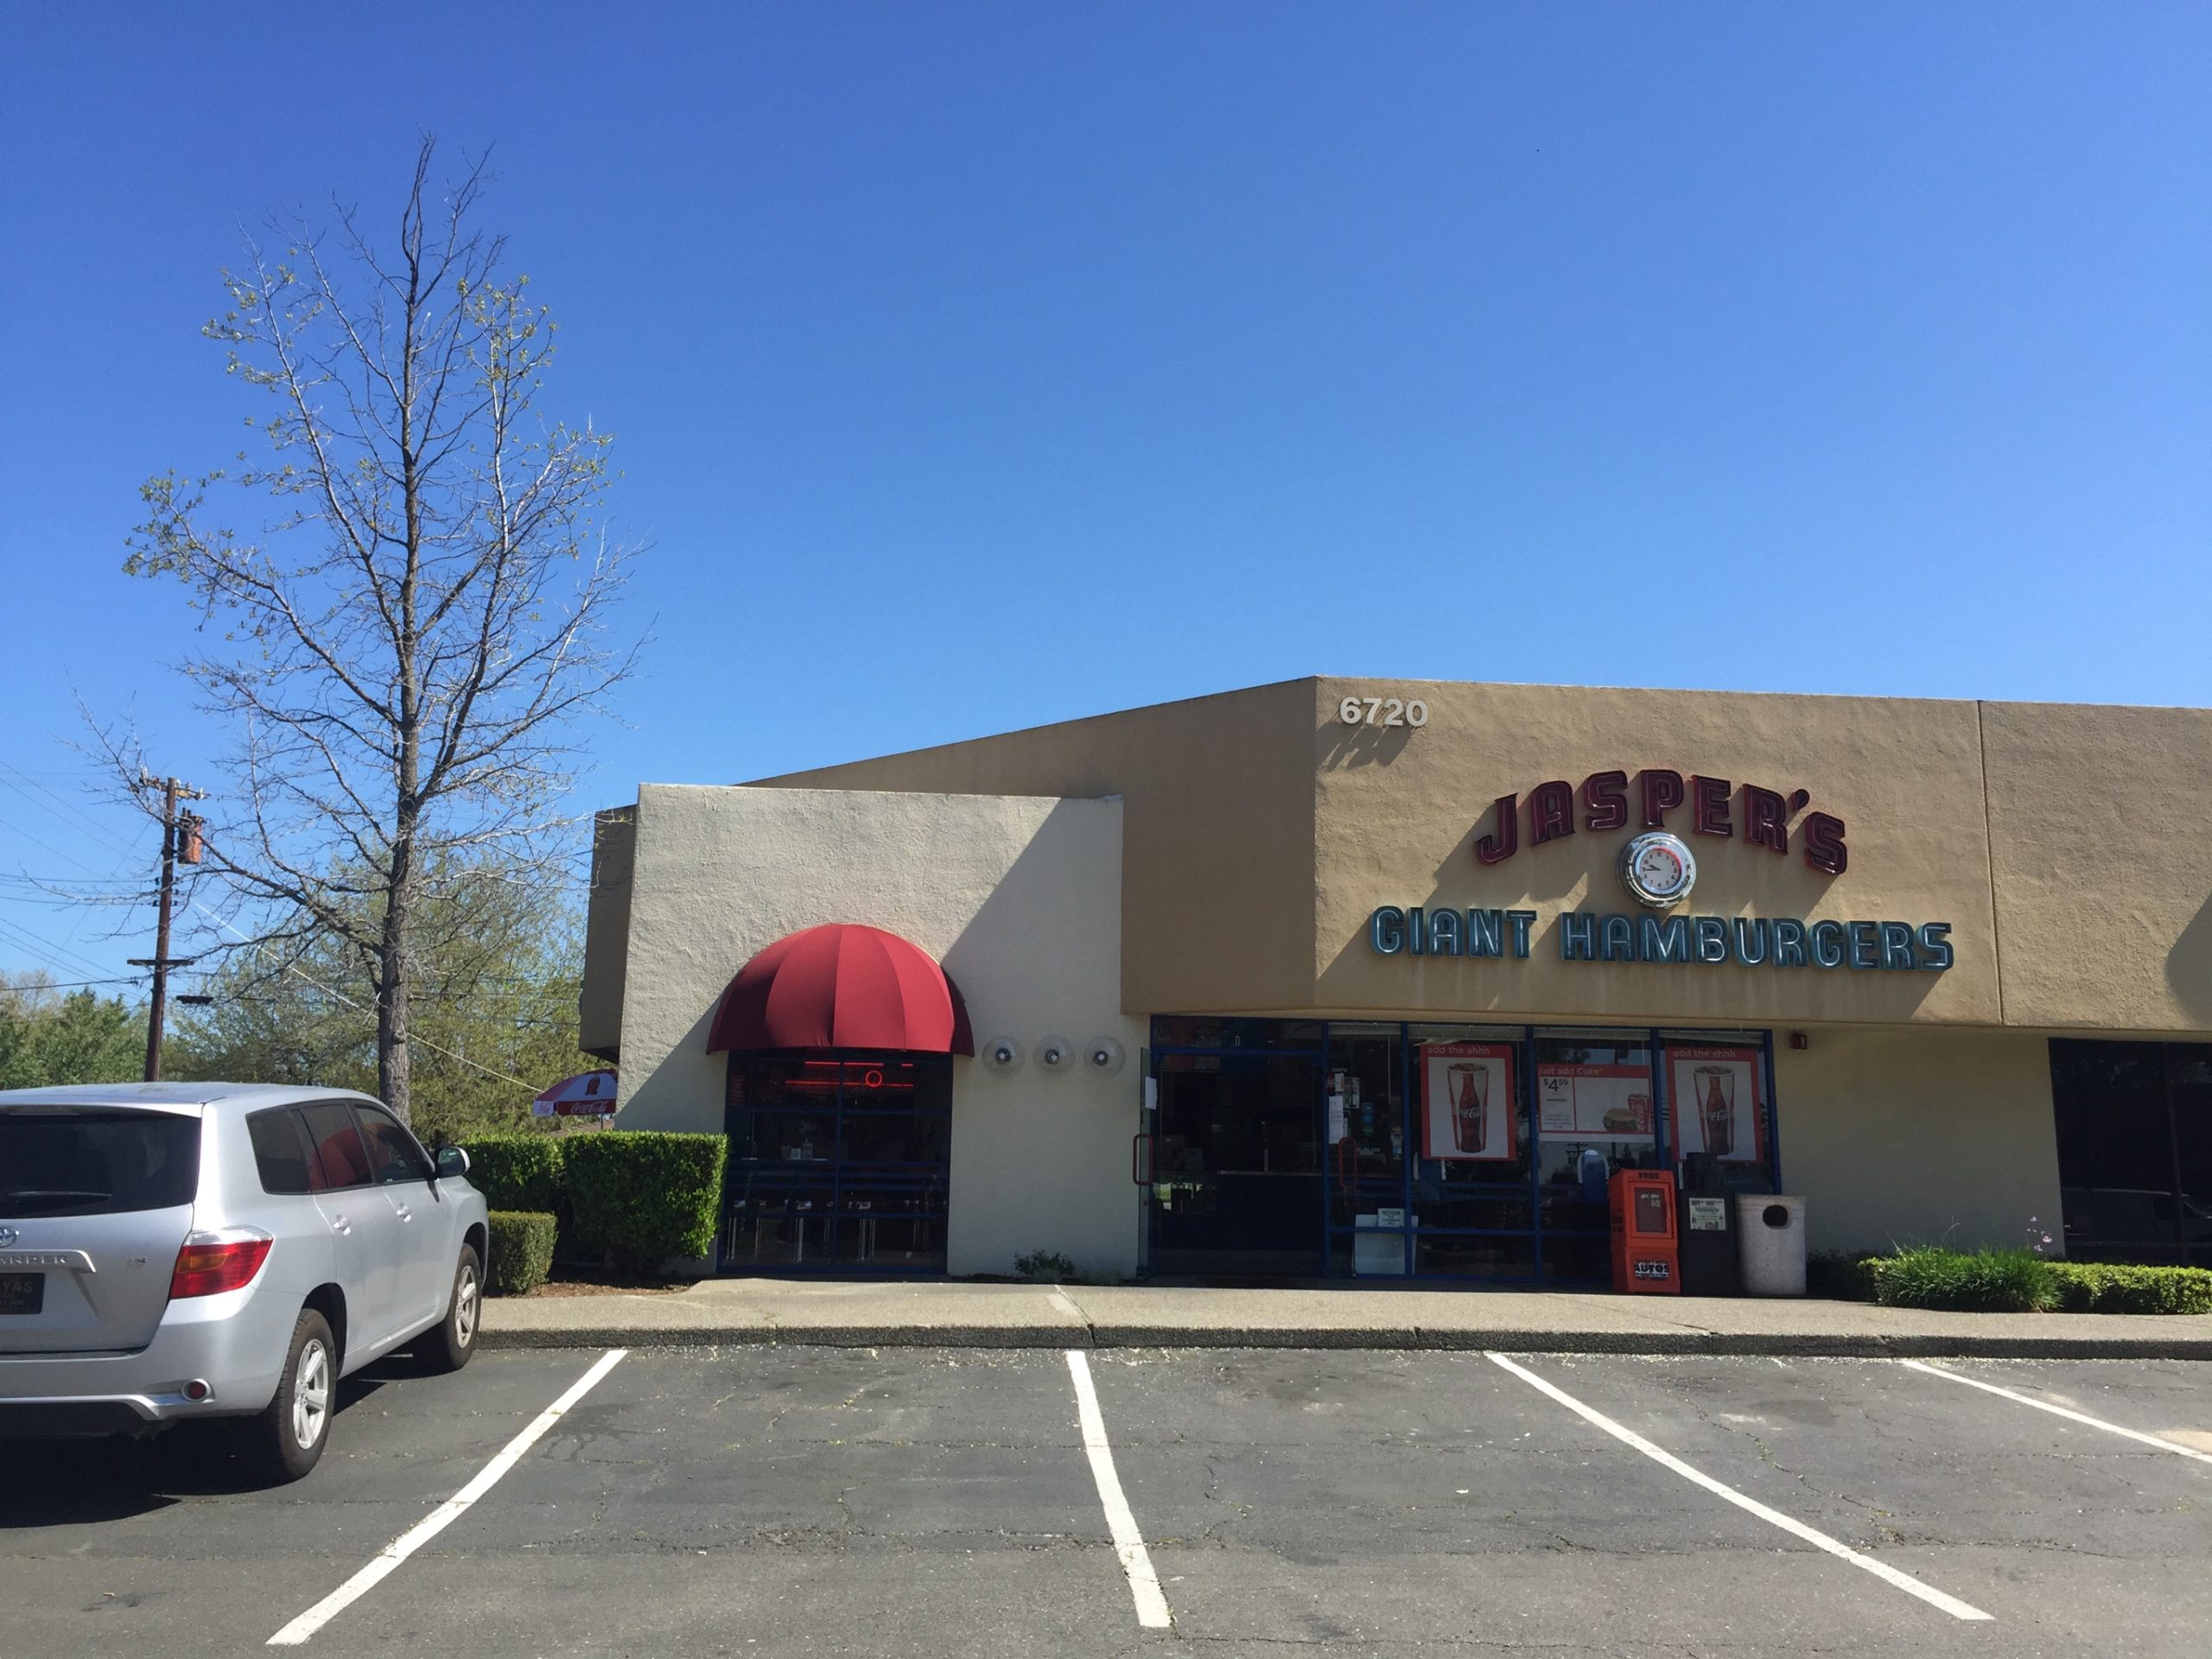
2188, 965
1343, 746
1025, 927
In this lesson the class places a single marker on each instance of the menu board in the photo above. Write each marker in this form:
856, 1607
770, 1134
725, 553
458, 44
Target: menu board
1714, 1095
1594, 1103
1466, 1101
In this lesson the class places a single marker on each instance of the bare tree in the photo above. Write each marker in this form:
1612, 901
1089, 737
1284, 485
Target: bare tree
401, 650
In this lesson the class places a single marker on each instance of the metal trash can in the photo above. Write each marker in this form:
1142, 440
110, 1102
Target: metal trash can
1770, 1232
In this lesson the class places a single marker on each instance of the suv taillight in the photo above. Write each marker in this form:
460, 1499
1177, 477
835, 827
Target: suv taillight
213, 1262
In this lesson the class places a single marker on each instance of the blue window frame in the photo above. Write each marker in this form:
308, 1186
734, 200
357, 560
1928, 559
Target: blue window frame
1540, 1216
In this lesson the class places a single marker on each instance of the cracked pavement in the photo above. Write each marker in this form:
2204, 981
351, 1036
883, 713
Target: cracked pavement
796, 1501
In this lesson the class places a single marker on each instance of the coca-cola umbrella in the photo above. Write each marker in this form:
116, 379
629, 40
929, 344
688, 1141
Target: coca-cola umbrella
588, 1094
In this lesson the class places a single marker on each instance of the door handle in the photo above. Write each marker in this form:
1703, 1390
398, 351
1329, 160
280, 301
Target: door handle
406, 1214
1140, 1159
339, 1224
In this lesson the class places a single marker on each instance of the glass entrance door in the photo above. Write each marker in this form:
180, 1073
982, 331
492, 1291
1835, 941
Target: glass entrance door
1236, 1165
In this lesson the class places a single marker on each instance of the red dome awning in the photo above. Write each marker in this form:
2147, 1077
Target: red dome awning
842, 986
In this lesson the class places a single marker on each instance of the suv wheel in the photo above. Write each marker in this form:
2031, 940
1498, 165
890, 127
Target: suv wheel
446, 1345
286, 1439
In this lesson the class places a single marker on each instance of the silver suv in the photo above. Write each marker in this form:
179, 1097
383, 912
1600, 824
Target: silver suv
176, 1252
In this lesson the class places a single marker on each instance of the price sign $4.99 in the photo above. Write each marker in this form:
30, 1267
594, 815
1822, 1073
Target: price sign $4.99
1382, 711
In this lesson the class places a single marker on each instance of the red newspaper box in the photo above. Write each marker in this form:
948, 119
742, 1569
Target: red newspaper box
1647, 1255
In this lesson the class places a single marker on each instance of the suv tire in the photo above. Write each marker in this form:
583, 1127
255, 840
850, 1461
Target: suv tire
448, 1344
285, 1439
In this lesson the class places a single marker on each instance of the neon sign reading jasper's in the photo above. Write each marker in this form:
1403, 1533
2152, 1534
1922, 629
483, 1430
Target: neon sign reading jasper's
1604, 799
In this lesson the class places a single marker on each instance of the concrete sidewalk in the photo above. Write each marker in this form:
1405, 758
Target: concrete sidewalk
947, 1313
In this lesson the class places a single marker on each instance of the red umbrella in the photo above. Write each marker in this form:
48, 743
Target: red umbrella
588, 1094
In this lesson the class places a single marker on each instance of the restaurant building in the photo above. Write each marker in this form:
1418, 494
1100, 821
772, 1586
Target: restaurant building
1381, 980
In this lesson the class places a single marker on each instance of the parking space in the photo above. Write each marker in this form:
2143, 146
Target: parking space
166, 1546
766, 1501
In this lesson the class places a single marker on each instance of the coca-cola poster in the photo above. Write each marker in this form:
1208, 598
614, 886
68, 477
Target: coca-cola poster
1712, 1095
1466, 1101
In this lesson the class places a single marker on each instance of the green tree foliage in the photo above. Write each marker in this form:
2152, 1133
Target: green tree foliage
47, 1038
498, 971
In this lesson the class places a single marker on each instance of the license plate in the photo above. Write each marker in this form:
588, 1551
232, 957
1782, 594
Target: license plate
22, 1293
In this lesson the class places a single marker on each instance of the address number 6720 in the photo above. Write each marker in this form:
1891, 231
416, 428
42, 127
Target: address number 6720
1382, 711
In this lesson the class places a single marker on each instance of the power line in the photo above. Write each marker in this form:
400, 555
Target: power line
78, 984
96, 828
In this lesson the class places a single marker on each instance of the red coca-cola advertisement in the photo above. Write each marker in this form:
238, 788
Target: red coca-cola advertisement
1467, 1109
1713, 1096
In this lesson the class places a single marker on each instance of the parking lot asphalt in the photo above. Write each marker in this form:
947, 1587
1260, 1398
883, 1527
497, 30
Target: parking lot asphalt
794, 1501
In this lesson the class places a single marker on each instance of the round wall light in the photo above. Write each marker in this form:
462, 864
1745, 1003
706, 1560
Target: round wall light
999, 1054
1055, 1054
1104, 1055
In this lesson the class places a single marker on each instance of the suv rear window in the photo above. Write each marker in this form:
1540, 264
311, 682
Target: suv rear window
280, 1150
96, 1163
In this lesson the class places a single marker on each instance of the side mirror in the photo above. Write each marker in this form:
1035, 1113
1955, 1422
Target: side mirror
452, 1160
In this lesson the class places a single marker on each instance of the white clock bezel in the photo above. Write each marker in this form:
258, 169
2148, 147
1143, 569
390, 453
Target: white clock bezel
1633, 853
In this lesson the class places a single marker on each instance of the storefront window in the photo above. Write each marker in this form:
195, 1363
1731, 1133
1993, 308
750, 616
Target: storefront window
838, 1160
2135, 1126
1365, 1098
1716, 1116
1596, 1113
1375, 1148
1473, 1211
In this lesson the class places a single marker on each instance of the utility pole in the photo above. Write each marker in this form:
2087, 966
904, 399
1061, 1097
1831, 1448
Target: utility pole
160, 962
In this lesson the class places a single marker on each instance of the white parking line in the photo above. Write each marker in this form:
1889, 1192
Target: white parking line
441, 1517
2059, 1411
1796, 1529
1128, 1543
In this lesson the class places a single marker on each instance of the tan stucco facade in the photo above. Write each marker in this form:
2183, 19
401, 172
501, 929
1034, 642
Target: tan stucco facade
2063, 847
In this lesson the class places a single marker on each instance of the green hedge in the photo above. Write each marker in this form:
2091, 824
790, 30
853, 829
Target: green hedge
1987, 1281
646, 1198
2020, 1281
522, 1251
2099, 1288
516, 1172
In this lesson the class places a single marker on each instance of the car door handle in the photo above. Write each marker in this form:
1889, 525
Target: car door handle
339, 1224
406, 1214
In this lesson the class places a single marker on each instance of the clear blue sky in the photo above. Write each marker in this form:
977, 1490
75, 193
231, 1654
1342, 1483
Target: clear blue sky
979, 366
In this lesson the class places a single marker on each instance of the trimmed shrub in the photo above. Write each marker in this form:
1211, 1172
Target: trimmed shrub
516, 1172
522, 1251
643, 1197
2102, 1288
1987, 1282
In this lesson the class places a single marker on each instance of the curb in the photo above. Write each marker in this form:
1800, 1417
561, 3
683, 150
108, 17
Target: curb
1687, 1343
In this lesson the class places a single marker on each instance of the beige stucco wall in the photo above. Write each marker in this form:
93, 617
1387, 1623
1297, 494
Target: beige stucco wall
1217, 906
1018, 898
1926, 1136
2100, 822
